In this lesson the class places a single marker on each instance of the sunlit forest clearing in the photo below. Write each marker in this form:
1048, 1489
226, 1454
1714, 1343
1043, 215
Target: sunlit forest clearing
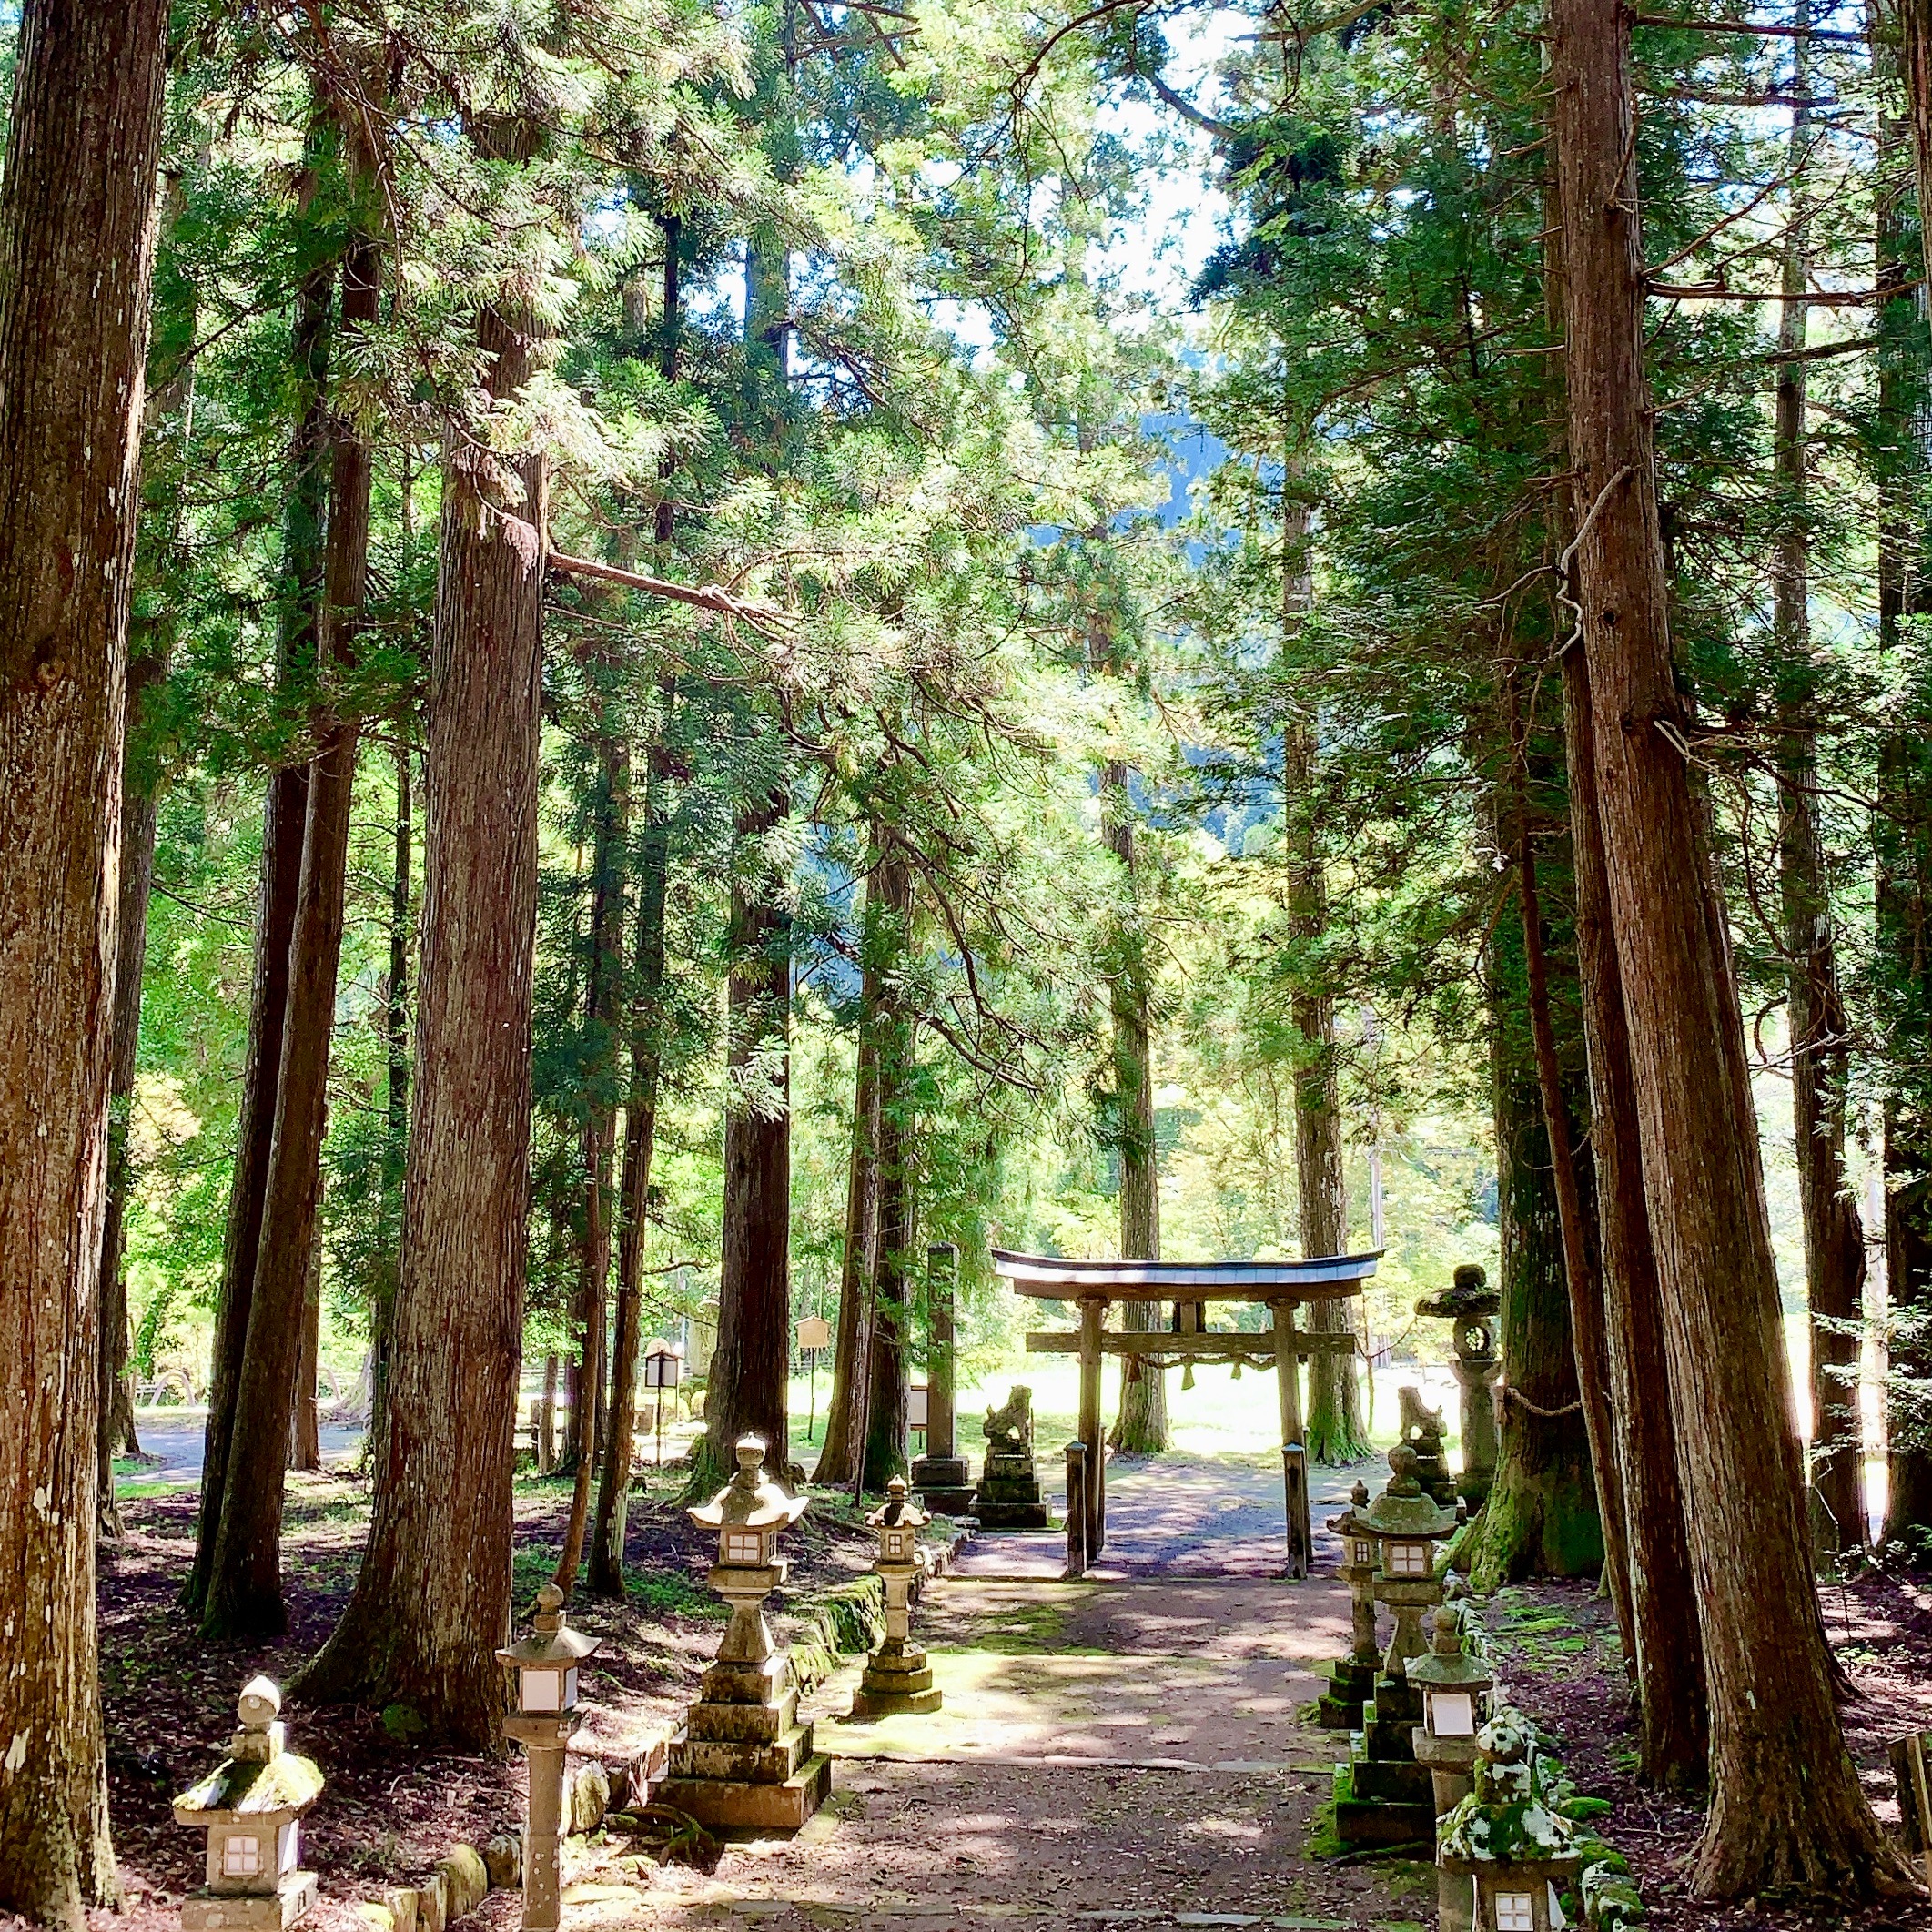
1004, 916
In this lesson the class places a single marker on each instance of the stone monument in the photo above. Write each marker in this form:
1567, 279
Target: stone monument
942, 1476
1422, 1429
743, 1761
1008, 1497
1472, 1306
251, 1806
897, 1676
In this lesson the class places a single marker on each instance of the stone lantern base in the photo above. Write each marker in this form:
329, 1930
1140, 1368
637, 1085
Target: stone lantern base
1351, 1684
1383, 1796
1008, 1497
897, 1678
944, 1484
743, 1762
211, 1911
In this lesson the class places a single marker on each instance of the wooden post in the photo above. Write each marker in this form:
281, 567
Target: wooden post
1909, 1772
1093, 1312
1076, 1509
1294, 1452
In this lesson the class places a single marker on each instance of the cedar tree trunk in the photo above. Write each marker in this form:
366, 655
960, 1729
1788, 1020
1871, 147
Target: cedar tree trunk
77, 239
751, 1366
284, 822
891, 907
431, 1601
1141, 1425
245, 1580
606, 1577
1786, 1808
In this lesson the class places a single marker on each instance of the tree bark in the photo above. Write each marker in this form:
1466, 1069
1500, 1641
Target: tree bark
1819, 1032
116, 1431
1337, 1431
245, 1585
284, 821
890, 907
1141, 1425
1668, 1646
431, 1601
1902, 836
1541, 1518
1576, 1220
838, 1460
606, 1576
76, 241
395, 1028
1786, 1808
751, 1366
305, 1436
605, 991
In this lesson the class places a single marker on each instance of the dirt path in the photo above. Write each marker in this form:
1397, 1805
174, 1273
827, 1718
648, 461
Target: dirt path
1123, 1751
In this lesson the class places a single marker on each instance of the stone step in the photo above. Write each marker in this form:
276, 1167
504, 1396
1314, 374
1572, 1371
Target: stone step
746, 1722
721, 1804
1367, 1821
1391, 1782
741, 1762
869, 1700
1337, 1713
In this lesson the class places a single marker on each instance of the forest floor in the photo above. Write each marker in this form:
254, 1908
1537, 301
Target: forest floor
1123, 1751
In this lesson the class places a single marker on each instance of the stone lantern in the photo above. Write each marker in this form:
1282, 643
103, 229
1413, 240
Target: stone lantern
1472, 1306
898, 1676
546, 1665
1502, 1855
251, 1806
1352, 1679
1455, 1688
1406, 1524
743, 1762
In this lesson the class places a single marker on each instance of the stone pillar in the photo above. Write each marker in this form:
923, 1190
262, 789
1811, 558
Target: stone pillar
942, 1269
942, 1478
544, 1740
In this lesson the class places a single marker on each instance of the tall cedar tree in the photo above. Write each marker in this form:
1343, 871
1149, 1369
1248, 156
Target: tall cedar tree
431, 1601
285, 816
889, 904
1786, 1808
78, 206
751, 1366
245, 1585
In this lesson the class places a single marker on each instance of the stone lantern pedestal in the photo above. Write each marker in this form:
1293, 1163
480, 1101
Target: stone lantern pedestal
251, 1806
1352, 1679
1383, 1796
743, 1762
897, 1676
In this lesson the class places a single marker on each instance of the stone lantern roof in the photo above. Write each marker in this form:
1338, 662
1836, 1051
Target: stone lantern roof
259, 1779
551, 1641
1469, 1294
1350, 1523
746, 1502
1503, 1822
1404, 1510
1448, 1666
898, 1510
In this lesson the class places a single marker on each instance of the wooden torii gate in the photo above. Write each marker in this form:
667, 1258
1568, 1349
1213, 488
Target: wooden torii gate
1190, 1285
